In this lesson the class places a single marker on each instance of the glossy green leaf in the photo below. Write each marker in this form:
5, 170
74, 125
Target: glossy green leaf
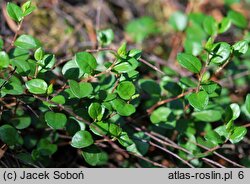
238, 134
21, 122
99, 128
96, 111
122, 107
141, 144
198, 100
45, 148
50, 89
126, 90
27, 42
124, 139
222, 131
13, 87
27, 8
189, 62
224, 25
220, 52
236, 110
247, 103
86, 62
114, 129
210, 25
122, 50
150, 87
178, 20
82, 139
4, 59
36, 86
94, 156
237, 19
8, 135
80, 90
214, 137
212, 88
46, 63
55, 120
71, 71
206, 143
14, 12
123, 67
23, 67
160, 115
241, 46
208, 115
39, 53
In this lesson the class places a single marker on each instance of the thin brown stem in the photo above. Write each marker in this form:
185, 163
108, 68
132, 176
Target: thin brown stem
151, 109
15, 36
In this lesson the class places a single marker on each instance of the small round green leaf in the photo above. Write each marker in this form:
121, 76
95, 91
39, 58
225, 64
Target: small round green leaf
126, 90
71, 71
4, 59
23, 67
236, 110
21, 122
189, 62
160, 115
99, 128
96, 111
82, 139
208, 115
9, 135
241, 46
55, 120
237, 19
27, 42
80, 90
36, 86
214, 137
94, 156
224, 25
124, 139
114, 129
198, 100
39, 53
238, 134
210, 25
247, 103
86, 62
122, 107
220, 52
14, 12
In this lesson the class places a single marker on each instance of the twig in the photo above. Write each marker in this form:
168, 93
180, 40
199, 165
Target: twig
202, 74
151, 109
171, 153
151, 66
224, 65
15, 36
247, 125
213, 162
219, 155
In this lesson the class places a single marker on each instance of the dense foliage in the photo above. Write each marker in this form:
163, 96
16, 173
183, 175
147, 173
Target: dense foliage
110, 100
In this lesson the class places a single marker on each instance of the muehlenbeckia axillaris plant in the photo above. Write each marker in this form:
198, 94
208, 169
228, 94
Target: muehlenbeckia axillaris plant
90, 103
